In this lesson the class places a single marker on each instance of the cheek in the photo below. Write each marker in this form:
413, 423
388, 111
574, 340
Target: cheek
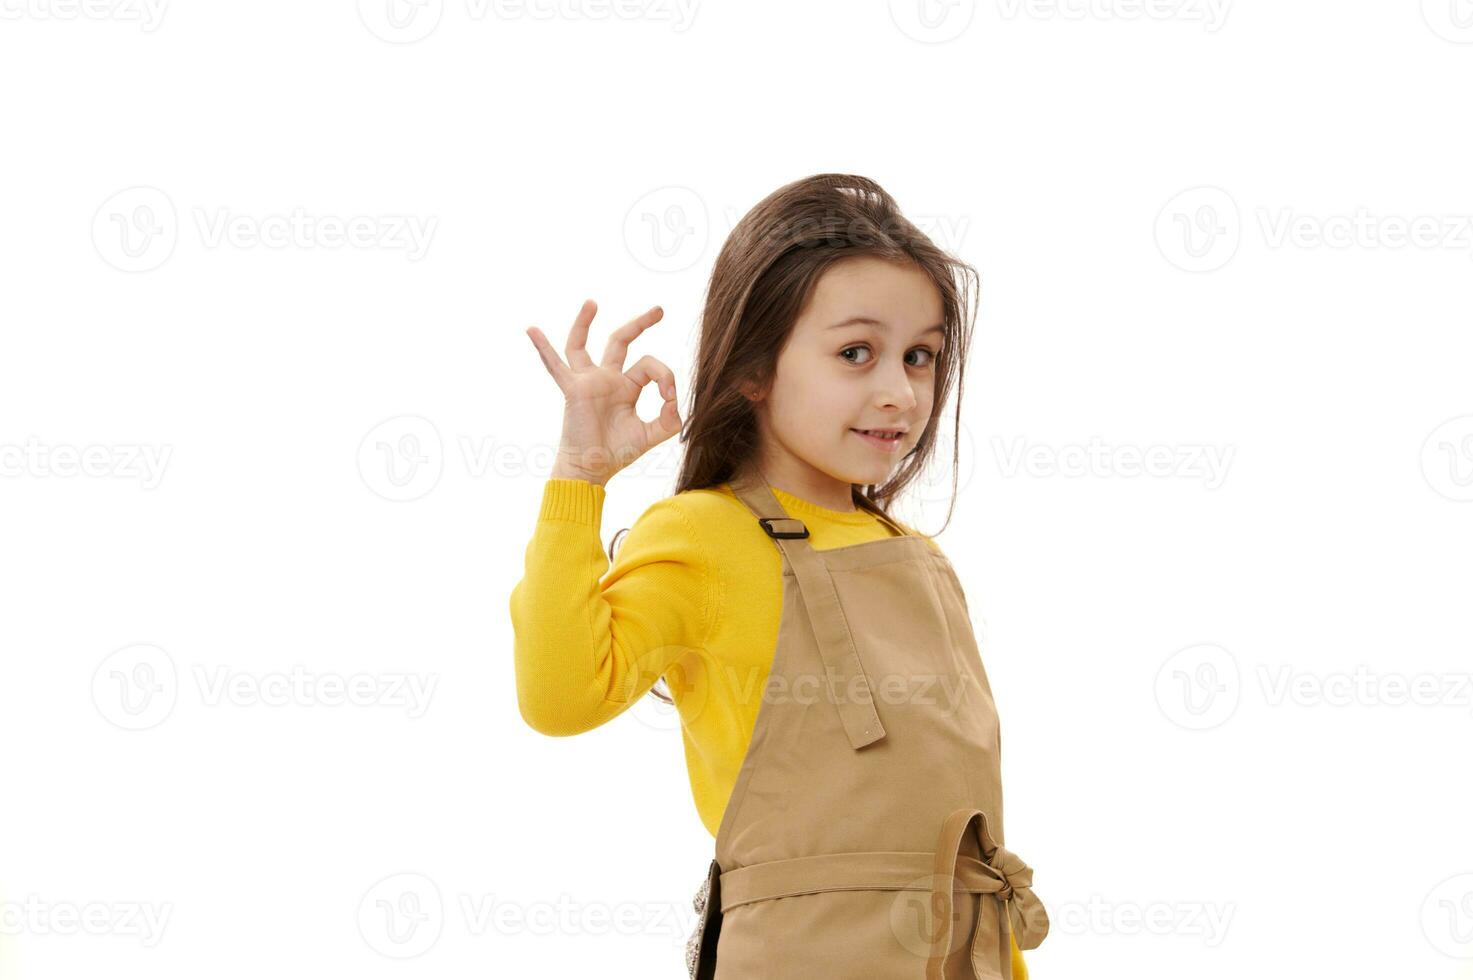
810, 410
925, 390
805, 404
807, 388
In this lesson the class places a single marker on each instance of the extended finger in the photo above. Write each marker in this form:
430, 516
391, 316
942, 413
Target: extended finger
550, 360
576, 348
620, 339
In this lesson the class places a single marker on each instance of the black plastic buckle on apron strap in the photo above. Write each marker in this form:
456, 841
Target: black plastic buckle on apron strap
766, 523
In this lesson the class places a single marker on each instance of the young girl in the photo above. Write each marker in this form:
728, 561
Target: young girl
839, 729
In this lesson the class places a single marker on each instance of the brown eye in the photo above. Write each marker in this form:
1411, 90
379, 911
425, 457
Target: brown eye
929, 353
855, 347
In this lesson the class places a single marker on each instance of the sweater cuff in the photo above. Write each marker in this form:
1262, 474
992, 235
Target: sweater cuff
574, 501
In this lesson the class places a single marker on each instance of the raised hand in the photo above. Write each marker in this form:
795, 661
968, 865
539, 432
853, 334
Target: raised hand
602, 433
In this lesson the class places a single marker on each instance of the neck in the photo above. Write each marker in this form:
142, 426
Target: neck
805, 483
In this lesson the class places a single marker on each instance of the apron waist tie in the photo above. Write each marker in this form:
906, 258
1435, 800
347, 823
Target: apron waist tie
847, 871
1020, 911
939, 873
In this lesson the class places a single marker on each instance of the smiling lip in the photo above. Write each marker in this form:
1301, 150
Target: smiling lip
889, 445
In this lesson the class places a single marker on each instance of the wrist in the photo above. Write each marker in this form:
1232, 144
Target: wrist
566, 471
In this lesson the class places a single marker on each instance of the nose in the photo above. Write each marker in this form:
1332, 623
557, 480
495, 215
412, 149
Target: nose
893, 389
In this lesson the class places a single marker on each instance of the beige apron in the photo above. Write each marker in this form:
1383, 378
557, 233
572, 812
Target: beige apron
863, 837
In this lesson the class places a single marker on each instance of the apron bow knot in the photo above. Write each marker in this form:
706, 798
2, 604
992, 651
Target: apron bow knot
1026, 915
1022, 915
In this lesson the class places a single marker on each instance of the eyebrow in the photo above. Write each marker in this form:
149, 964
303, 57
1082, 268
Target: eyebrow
855, 321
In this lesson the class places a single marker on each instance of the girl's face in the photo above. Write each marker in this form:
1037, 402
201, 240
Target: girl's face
860, 357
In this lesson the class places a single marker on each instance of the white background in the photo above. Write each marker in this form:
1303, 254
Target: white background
1191, 222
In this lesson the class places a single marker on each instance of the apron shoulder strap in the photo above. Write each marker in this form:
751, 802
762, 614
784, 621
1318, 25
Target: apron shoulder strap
763, 503
843, 669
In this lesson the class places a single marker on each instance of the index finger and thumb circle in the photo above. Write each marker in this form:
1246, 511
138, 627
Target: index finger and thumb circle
667, 423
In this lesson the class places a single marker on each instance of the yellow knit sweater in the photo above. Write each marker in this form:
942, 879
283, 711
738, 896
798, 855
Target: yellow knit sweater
692, 594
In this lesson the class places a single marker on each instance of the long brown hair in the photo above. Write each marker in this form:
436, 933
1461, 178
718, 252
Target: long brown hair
762, 279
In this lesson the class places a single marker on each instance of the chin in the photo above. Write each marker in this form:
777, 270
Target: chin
867, 475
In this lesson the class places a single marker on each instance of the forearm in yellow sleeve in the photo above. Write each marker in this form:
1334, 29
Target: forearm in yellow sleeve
587, 645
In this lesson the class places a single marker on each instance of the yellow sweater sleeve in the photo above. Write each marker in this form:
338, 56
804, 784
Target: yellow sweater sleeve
588, 644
